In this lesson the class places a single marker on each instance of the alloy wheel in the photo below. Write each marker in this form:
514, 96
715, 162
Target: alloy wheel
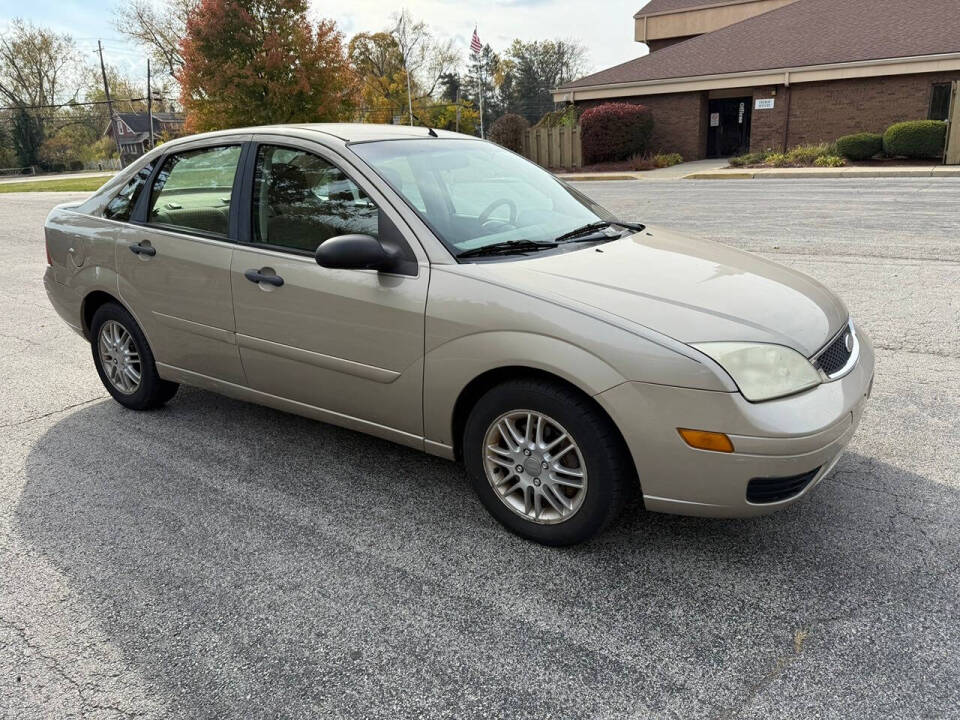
119, 357
535, 466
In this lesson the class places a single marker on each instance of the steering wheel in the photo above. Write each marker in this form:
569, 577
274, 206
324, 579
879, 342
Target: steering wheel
488, 211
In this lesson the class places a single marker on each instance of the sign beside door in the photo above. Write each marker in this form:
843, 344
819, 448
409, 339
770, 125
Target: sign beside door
764, 104
714, 119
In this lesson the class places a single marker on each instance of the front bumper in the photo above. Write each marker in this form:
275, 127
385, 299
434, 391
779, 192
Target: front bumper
774, 439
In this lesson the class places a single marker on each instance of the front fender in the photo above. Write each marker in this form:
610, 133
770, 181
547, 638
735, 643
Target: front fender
450, 367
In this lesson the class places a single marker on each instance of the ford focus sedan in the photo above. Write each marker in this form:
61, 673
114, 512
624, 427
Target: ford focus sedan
441, 292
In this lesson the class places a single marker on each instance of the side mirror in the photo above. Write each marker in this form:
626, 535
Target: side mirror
355, 252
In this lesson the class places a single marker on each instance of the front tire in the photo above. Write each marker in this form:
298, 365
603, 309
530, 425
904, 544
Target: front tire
125, 362
546, 461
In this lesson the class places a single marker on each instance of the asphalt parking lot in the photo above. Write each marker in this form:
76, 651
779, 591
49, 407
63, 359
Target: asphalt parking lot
216, 559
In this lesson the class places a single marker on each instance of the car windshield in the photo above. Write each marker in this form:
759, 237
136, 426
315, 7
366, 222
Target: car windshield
476, 194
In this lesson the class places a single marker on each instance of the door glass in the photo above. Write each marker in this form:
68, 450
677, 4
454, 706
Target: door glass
122, 205
940, 102
192, 190
300, 200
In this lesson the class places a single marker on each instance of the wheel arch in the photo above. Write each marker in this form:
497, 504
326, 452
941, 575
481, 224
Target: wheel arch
483, 383
92, 302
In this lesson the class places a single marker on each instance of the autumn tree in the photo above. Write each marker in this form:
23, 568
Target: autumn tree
157, 28
249, 62
38, 69
403, 67
379, 77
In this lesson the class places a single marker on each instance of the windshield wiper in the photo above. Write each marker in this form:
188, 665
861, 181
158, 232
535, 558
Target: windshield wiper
506, 247
591, 227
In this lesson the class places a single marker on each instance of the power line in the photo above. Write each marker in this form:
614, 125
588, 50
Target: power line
56, 106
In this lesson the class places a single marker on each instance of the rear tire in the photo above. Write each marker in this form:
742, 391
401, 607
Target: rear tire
124, 360
526, 438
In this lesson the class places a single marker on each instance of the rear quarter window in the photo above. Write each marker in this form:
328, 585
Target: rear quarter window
121, 206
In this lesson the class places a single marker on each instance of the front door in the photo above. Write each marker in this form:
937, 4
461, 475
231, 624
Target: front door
174, 263
349, 342
729, 127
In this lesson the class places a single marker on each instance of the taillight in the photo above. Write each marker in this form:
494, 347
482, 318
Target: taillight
49, 259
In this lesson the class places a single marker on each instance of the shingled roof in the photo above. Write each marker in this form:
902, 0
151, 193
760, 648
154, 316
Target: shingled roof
140, 122
804, 33
662, 6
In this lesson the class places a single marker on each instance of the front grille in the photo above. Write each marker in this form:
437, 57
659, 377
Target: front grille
833, 357
769, 490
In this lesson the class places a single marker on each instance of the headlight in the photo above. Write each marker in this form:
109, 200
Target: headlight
762, 371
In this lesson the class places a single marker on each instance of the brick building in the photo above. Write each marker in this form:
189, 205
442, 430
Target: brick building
724, 76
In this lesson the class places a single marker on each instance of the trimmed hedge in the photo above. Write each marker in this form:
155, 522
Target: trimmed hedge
615, 131
861, 146
919, 139
508, 131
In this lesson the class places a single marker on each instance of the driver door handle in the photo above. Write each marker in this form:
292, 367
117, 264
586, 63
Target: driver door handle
141, 249
258, 276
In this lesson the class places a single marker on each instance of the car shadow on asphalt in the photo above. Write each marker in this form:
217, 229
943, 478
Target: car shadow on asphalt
245, 559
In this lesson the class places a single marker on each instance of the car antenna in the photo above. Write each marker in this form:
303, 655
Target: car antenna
430, 130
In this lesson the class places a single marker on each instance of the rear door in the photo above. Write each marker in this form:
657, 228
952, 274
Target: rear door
174, 260
347, 341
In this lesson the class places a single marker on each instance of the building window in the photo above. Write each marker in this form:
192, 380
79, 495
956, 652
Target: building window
940, 102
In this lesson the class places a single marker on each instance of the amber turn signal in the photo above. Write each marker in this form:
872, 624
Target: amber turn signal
704, 440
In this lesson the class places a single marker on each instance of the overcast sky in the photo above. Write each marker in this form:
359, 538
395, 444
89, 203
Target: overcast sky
605, 27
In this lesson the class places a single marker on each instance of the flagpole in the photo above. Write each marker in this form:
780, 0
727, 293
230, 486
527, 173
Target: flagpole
481, 98
480, 76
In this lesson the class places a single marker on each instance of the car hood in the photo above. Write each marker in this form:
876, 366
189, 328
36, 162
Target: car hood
690, 290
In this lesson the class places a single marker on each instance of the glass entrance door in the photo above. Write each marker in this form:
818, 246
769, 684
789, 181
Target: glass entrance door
728, 130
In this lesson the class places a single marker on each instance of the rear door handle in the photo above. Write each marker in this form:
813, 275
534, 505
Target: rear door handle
141, 249
258, 276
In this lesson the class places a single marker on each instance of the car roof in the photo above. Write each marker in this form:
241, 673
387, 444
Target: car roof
345, 132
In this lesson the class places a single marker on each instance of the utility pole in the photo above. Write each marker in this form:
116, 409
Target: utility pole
409, 96
106, 90
150, 103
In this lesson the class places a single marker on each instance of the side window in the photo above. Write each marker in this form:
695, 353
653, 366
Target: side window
940, 102
300, 200
192, 190
122, 205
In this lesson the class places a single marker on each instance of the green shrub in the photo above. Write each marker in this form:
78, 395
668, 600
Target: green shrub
640, 161
565, 117
829, 161
508, 131
777, 160
754, 158
664, 160
861, 146
805, 155
918, 139
614, 131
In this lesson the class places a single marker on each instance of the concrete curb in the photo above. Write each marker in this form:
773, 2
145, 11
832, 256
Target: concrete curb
596, 178
938, 171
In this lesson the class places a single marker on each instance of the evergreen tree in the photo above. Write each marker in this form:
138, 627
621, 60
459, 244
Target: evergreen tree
483, 69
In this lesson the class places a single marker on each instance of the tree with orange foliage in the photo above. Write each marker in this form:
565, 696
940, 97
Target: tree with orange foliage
255, 62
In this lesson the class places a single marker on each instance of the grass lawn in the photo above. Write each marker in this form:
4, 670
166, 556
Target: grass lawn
59, 185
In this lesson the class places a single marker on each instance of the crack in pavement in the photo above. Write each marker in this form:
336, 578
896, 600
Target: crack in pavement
86, 705
34, 418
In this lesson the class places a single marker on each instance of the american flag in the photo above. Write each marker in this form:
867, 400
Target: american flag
475, 44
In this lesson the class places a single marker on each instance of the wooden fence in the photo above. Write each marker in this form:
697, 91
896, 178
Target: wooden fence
555, 147
953, 129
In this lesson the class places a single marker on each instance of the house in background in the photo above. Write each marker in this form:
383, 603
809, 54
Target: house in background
134, 131
727, 76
